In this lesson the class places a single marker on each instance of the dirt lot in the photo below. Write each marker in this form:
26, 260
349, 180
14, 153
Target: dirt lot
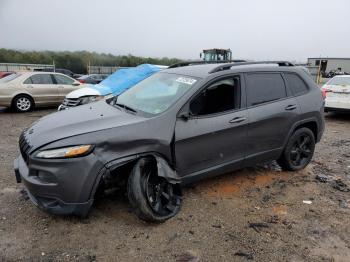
253, 214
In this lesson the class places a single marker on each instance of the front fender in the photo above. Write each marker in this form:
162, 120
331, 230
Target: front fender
164, 168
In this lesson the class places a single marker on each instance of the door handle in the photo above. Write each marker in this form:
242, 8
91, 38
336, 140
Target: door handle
290, 107
237, 120
60, 86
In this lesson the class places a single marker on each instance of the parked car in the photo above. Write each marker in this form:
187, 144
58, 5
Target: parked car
337, 94
113, 85
4, 74
66, 72
76, 76
91, 79
334, 73
24, 91
175, 127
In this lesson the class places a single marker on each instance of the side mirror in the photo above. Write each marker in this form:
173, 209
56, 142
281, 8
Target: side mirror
184, 116
76, 84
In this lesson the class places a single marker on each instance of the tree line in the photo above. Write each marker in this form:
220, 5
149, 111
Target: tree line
78, 61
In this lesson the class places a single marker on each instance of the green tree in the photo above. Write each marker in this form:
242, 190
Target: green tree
77, 61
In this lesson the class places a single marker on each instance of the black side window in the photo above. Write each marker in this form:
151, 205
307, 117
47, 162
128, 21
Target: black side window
44, 79
264, 87
295, 84
223, 95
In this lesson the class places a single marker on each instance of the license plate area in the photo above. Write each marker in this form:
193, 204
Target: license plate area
338, 95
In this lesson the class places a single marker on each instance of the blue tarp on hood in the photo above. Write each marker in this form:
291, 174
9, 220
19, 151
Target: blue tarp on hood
125, 78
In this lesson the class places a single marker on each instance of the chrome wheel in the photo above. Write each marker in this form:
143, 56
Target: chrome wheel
23, 104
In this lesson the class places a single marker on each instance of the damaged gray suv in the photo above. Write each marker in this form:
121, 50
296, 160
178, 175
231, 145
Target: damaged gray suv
183, 124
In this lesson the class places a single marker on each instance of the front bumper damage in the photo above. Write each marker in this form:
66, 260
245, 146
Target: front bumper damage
60, 186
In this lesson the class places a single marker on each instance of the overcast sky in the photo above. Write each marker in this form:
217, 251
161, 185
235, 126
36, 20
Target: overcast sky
253, 29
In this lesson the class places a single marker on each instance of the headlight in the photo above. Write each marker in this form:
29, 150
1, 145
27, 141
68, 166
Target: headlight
66, 152
89, 99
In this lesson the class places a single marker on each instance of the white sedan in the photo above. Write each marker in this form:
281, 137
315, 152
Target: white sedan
337, 94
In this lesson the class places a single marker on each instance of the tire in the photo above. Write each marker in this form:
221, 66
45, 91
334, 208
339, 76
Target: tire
23, 103
298, 151
152, 197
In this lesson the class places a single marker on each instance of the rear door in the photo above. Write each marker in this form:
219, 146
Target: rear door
272, 111
42, 89
65, 85
214, 136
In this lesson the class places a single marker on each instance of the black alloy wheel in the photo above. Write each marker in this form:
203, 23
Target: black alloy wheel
153, 197
298, 151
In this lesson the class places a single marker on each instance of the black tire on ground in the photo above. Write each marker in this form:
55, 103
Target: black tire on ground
23, 103
298, 151
153, 198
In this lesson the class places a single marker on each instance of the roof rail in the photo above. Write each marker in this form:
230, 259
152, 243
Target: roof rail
228, 66
188, 63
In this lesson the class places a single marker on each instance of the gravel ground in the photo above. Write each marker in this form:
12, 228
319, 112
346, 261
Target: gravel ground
252, 214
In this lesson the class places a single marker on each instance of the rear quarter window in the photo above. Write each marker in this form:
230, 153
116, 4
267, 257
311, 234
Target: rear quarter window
63, 80
264, 87
295, 84
28, 81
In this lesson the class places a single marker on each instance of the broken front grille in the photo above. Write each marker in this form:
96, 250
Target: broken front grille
71, 102
24, 147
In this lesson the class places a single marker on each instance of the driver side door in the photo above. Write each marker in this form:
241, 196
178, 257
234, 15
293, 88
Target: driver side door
213, 138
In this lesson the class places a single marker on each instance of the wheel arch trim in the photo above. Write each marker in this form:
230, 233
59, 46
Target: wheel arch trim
301, 123
22, 94
164, 168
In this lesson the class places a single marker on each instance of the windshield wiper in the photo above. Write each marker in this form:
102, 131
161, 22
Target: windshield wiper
126, 107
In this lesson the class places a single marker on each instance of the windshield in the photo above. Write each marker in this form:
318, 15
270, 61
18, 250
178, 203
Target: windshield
339, 81
156, 93
9, 78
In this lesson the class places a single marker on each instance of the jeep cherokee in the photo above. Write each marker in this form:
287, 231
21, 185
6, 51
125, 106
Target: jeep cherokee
182, 124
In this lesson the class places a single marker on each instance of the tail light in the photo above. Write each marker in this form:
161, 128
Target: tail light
81, 81
324, 91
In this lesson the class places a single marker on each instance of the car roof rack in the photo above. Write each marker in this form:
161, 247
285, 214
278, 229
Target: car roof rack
228, 66
188, 63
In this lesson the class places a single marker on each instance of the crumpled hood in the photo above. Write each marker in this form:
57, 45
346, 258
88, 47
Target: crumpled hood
76, 121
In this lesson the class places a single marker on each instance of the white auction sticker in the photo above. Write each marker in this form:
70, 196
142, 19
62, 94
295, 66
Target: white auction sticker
186, 80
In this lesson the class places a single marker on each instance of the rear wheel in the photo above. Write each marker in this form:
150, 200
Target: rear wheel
298, 151
153, 198
23, 103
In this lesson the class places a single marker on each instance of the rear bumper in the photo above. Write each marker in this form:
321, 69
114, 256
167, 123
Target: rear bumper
59, 188
337, 105
336, 109
5, 101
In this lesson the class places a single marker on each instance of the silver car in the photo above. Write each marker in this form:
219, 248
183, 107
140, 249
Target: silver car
24, 91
